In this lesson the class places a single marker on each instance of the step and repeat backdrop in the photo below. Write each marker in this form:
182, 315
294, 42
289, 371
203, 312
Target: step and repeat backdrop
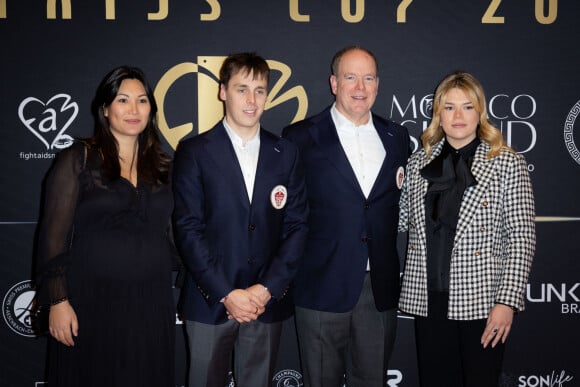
526, 54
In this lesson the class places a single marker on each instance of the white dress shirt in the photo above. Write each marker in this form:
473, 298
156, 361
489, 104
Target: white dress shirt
363, 147
247, 154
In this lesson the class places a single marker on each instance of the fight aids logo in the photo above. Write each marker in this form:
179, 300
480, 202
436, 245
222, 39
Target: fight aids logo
209, 107
49, 120
17, 307
569, 132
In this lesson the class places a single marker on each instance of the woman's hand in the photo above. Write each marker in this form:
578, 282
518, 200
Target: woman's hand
498, 325
62, 323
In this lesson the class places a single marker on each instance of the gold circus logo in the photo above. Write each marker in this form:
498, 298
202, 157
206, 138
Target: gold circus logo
209, 107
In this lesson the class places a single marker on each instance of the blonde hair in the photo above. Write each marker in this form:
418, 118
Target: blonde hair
474, 91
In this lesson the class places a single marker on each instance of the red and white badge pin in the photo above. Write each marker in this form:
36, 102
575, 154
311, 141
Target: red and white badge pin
278, 197
400, 176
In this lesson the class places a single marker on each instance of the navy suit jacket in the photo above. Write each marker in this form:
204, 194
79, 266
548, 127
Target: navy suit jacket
228, 243
346, 228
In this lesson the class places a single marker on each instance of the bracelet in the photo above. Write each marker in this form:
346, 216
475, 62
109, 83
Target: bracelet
513, 308
58, 301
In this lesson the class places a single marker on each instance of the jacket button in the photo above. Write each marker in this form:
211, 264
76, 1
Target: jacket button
482, 228
365, 239
250, 260
477, 253
367, 206
251, 227
485, 203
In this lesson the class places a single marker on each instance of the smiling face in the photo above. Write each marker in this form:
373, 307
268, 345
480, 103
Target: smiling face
355, 85
459, 118
245, 99
129, 111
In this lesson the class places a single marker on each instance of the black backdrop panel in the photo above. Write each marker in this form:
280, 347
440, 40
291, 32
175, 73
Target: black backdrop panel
525, 53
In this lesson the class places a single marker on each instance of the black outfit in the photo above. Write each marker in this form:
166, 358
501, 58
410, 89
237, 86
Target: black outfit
449, 351
104, 245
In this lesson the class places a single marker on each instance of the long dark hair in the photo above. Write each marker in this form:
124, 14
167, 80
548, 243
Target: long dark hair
153, 163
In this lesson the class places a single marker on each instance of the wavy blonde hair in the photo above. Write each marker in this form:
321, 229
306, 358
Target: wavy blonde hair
474, 91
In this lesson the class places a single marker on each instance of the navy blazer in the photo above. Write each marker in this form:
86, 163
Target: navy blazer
346, 228
228, 243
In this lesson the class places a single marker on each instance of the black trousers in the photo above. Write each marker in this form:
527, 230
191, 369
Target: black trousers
450, 353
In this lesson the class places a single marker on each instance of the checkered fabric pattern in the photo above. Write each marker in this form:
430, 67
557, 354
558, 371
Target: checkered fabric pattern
494, 243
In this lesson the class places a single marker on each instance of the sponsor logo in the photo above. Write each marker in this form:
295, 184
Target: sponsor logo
563, 294
415, 114
287, 378
48, 121
512, 115
554, 379
569, 132
17, 306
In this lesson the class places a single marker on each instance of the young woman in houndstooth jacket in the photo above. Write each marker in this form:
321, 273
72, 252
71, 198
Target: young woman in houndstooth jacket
468, 206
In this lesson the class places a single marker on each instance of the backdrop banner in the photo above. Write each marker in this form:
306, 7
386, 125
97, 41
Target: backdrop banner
525, 53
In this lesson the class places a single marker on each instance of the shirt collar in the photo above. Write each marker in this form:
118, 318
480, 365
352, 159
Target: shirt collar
237, 140
341, 121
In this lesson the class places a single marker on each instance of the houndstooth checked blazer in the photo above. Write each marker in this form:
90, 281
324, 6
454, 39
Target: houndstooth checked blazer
494, 243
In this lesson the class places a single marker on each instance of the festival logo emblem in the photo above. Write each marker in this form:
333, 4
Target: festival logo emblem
48, 121
278, 197
400, 176
209, 108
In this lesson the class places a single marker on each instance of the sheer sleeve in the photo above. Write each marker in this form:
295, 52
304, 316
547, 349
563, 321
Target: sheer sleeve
56, 226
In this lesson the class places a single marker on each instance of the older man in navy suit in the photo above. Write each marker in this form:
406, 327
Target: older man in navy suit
240, 225
347, 288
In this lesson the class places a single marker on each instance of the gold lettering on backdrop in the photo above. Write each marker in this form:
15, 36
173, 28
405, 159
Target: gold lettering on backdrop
359, 12
489, 16
161, 13
402, 11
209, 107
2, 9
215, 13
552, 11
110, 9
51, 9
295, 13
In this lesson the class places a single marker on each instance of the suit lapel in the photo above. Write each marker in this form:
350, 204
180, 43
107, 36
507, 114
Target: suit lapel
324, 134
483, 172
221, 150
387, 140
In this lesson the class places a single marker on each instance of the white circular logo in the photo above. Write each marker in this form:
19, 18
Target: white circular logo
17, 306
288, 378
569, 132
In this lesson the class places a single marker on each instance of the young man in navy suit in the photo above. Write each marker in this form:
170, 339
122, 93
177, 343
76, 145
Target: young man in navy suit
347, 288
240, 225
